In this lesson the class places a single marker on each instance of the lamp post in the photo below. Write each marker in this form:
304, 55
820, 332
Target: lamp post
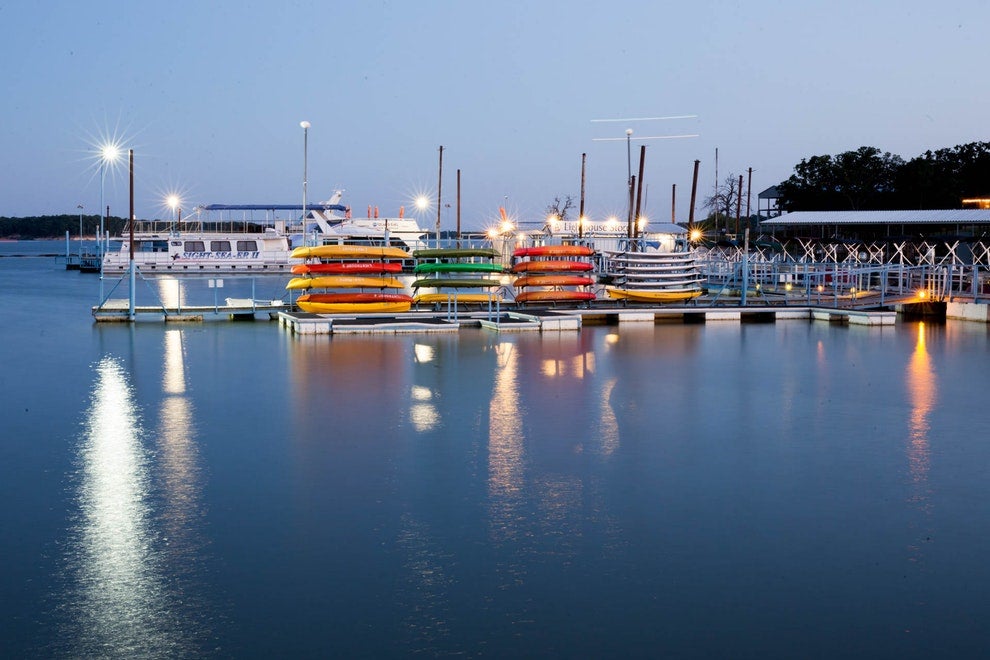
80, 207
108, 155
305, 126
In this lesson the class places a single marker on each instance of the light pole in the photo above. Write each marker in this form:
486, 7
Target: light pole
80, 207
108, 155
305, 126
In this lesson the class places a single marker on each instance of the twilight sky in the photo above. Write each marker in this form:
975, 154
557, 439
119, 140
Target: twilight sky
210, 94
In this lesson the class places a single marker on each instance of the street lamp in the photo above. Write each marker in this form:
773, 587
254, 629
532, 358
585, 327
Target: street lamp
173, 203
109, 154
305, 126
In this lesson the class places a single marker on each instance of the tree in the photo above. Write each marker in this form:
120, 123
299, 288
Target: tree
853, 180
558, 209
722, 203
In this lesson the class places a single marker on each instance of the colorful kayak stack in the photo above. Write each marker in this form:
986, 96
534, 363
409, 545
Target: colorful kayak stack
456, 275
653, 277
364, 273
553, 273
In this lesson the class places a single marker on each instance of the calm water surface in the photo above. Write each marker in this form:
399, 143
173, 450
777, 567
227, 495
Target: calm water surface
228, 489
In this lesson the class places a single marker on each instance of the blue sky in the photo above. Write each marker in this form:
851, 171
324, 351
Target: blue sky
210, 96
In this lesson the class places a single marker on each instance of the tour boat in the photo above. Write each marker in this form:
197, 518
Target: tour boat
210, 242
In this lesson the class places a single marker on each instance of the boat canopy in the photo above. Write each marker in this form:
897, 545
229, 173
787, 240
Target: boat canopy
273, 207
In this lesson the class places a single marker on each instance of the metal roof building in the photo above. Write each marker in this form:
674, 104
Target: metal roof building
875, 224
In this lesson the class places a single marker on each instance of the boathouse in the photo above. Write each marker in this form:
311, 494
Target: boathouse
956, 224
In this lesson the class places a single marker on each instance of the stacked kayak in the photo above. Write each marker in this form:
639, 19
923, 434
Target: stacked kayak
349, 279
553, 273
653, 276
459, 275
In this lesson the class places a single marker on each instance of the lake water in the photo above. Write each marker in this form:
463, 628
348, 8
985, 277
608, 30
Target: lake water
228, 489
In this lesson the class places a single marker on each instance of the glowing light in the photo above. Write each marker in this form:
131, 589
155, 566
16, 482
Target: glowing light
612, 223
788, 287
173, 201
922, 294
696, 235
506, 227
422, 202
110, 152
820, 288
642, 222
493, 232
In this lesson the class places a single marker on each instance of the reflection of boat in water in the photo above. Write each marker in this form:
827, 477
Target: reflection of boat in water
211, 241
652, 276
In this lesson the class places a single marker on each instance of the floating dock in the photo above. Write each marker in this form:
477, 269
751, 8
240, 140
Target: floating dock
559, 320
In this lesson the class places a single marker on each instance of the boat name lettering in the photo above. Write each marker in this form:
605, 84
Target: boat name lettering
244, 254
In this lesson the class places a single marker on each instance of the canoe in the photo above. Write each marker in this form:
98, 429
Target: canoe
554, 295
551, 265
687, 281
354, 308
346, 267
455, 253
452, 283
344, 282
670, 295
353, 297
553, 280
349, 252
458, 267
456, 297
554, 251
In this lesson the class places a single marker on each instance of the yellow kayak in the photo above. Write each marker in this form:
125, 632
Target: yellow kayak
646, 295
344, 282
351, 308
456, 297
349, 252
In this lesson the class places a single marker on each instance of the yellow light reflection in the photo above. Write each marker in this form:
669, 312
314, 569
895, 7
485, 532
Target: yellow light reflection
922, 387
608, 429
178, 450
423, 413
505, 446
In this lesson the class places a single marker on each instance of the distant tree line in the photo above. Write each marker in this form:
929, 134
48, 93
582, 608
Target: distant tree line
868, 179
55, 226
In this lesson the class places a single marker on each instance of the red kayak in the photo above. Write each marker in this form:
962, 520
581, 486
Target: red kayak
348, 267
550, 265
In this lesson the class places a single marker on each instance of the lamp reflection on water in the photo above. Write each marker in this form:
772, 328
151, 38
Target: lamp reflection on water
119, 607
505, 446
178, 453
922, 390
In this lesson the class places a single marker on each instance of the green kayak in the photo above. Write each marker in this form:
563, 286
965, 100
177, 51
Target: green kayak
453, 283
455, 253
458, 267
